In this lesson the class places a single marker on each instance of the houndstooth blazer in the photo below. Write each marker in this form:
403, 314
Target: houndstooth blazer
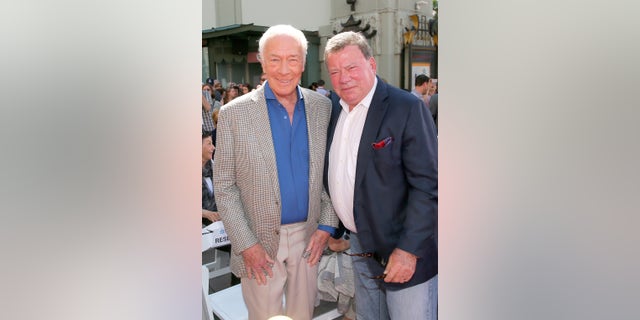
246, 178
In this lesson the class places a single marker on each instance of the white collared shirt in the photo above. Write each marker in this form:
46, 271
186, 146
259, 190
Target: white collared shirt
343, 157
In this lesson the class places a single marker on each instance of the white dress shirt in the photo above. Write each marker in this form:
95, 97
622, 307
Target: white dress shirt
343, 157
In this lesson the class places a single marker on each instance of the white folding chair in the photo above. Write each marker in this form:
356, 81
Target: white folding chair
207, 312
214, 236
228, 304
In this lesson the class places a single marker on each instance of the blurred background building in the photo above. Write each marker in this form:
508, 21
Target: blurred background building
402, 33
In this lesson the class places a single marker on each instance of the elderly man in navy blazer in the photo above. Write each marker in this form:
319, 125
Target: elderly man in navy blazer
382, 176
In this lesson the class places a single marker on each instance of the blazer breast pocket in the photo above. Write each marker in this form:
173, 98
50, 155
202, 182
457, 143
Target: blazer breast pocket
384, 143
386, 151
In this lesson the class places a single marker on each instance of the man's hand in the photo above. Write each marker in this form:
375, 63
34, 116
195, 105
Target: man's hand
211, 215
258, 263
316, 246
401, 266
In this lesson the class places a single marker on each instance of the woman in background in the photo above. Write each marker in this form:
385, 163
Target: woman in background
209, 208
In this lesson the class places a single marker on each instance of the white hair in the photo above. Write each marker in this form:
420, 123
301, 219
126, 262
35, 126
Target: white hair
283, 30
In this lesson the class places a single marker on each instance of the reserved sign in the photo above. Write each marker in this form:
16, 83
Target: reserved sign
214, 236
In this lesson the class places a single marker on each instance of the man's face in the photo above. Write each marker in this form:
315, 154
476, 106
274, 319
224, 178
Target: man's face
283, 65
424, 88
352, 75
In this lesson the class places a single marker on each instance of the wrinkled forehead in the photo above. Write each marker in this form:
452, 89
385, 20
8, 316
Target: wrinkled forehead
283, 44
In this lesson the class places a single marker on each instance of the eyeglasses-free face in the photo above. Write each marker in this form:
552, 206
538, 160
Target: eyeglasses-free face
283, 64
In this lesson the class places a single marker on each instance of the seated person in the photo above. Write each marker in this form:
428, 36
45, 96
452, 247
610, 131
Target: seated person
209, 208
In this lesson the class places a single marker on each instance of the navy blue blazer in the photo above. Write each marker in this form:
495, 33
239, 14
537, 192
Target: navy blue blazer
396, 185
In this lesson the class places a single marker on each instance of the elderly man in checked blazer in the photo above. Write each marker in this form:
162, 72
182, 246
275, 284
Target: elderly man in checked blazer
268, 173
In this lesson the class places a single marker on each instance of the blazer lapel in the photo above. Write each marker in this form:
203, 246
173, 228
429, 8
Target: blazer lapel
375, 115
263, 139
336, 109
333, 120
312, 130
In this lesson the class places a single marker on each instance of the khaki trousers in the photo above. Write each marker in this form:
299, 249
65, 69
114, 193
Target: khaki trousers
292, 277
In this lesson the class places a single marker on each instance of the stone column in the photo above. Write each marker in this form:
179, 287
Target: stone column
387, 59
324, 32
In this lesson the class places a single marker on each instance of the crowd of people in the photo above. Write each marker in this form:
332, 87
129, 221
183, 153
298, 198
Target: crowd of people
298, 169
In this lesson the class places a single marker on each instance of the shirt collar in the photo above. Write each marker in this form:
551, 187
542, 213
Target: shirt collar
269, 95
366, 101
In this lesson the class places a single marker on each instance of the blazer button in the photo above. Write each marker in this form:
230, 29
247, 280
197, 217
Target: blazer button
277, 231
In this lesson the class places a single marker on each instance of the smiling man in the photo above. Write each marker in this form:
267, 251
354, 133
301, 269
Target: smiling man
383, 178
268, 173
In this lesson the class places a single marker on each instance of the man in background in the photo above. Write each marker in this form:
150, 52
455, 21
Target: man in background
421, 86
321, 88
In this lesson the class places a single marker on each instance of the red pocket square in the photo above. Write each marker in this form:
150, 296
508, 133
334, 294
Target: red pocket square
382, 143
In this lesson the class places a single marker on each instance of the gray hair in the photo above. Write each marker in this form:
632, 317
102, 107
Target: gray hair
348, 38
282, 30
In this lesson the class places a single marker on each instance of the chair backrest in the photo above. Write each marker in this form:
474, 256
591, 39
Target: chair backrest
207, 312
